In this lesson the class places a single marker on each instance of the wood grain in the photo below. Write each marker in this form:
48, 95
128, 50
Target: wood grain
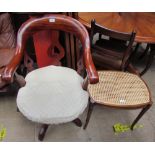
142, 23
53, 22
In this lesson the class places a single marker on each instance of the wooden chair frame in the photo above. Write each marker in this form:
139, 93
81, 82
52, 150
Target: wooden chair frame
96, 28
53, 22
127, 37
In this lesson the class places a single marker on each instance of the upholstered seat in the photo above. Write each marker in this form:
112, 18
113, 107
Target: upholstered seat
52, 95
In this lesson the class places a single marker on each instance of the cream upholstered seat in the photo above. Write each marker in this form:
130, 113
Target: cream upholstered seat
119, 89
52, 95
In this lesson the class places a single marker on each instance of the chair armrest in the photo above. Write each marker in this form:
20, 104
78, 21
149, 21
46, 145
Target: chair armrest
90, 68
9, 70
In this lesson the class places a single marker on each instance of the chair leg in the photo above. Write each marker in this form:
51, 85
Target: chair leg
90, 109
18, 109
77, 122
140, 115
133, 54
145, 52
149, 62
42, 131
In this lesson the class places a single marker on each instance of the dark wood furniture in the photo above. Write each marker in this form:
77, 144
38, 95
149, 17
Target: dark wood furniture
121, 90
150, 51
113, 50
56, 23
142, 22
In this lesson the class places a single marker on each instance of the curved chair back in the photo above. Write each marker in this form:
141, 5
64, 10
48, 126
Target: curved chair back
60, 23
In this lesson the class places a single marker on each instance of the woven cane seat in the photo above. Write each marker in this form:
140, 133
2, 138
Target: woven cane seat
119, 89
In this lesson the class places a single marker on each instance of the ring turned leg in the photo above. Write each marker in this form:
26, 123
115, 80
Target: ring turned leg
77, 122
90, 109
140, 115
42, 131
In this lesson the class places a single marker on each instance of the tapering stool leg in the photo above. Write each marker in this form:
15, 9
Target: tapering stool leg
42, 131
140, 115
77, 122
90, 109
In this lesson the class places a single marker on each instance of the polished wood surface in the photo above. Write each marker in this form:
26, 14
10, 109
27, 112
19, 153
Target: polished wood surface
142, 23
113, 53
53, 22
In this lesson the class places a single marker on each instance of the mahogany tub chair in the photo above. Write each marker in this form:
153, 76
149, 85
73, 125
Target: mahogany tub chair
118, 89
113, 51
54, 94
7, 49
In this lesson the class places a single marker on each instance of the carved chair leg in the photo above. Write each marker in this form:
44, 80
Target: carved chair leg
90, 109
77, 122
42, 131
20, 80
140, 115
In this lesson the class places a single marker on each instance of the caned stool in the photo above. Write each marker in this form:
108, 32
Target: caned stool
119, 90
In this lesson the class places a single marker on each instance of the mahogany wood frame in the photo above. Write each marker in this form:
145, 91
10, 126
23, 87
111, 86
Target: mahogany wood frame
53, 22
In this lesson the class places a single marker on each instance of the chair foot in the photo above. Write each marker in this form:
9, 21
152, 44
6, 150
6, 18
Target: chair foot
139, 116
20, 80
17, 109
42, 132
77, 122
90, 109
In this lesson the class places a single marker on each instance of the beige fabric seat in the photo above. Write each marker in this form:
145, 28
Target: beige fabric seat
119, 89
52, 95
